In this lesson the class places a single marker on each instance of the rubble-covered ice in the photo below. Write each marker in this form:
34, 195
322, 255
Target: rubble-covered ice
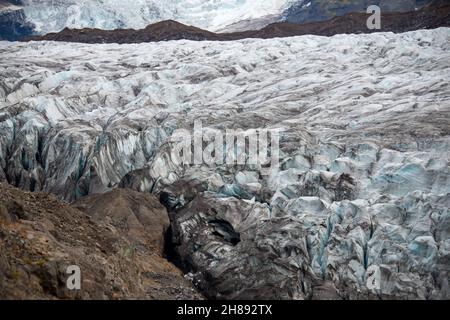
359, 206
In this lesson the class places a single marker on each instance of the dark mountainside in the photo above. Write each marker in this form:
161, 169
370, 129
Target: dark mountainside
427, 18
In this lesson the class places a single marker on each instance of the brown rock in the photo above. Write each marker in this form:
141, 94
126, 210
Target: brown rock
116, 261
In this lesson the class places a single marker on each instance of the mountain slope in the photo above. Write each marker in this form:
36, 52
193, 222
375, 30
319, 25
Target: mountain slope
304, 11
427, 18
51, 16
40, 237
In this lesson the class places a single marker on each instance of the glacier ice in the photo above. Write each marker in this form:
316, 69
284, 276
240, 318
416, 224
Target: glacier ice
53, 16
364, 179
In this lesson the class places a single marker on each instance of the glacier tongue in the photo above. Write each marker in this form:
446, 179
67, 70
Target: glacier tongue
364, 180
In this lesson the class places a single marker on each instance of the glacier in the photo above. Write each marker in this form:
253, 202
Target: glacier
53, 16
364, 179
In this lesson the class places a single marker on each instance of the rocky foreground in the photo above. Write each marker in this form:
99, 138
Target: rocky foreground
363, 186
117, 245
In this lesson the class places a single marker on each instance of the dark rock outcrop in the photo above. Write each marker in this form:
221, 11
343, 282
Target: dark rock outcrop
321, 10
41, 236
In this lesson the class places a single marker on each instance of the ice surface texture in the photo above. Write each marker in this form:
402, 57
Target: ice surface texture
364, 178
